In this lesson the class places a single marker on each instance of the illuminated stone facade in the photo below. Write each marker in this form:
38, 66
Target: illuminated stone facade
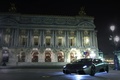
36, 38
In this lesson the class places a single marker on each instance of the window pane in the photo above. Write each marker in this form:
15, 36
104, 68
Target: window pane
7, 39
36, 40
23, 40
86, 41
72, 41
59, 41
48, 40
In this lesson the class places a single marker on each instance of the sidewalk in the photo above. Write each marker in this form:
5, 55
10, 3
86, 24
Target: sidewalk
32, 67
29, 65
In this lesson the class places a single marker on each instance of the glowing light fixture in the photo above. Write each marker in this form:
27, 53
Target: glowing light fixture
112, 28
116, 39
92, 55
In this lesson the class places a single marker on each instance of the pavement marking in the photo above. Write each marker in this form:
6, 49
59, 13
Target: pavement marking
45, 76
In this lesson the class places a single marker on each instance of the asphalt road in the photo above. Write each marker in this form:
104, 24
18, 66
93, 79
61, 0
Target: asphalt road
53, 74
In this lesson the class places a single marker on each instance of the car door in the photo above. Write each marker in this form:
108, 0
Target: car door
98, 63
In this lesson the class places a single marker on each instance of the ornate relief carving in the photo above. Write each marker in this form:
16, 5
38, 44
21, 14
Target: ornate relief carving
72, 33
26, 20
12, 8
86, 24
48, 32
82, 12
48, 21
22, 31
36, 32
7, 30
60, 21
86, 33
8, 21
60, 32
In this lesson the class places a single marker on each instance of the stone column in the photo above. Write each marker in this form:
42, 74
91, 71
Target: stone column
16, 39
91, 39
39, 41
12, 37
77, 39
94, 40
67, 39
55, 39
30, 35
52, 42
28, 38
32, 38
42, 38
82, 37
1, 37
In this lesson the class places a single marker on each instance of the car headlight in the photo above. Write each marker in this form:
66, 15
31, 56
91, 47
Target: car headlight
64, 66
85, 66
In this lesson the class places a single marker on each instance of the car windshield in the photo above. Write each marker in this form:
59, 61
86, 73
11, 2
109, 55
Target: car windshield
83, 61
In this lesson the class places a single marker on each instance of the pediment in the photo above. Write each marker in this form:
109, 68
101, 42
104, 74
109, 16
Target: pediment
86, 25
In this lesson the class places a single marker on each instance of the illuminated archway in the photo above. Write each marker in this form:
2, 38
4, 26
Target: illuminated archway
73, 56
47, 56
35, 56
60, 57
21, 56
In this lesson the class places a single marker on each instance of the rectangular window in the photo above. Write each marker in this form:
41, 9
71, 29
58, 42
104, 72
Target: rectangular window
23, 40
48, 40
86, 41
72, 41
59, 41
36, 39
7, 38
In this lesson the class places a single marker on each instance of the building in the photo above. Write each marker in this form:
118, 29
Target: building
41, 38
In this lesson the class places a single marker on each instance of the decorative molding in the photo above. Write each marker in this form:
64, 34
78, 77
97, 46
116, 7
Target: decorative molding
47, 21
8, 30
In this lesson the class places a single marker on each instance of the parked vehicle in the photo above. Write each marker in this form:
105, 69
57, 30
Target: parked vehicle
86, 66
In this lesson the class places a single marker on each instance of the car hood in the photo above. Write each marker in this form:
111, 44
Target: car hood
80, 65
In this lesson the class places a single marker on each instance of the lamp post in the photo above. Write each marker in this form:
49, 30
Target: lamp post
112, 28
115, 40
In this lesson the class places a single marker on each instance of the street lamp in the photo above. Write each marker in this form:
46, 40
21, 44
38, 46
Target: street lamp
115, 40
112, 28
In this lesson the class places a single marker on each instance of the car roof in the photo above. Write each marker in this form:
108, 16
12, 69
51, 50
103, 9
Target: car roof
89, 59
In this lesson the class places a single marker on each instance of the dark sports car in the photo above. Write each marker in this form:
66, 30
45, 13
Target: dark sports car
86, 66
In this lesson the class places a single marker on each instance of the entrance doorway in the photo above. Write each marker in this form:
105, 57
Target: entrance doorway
47, 57
60, 57
73, 56
21, 57
35, 56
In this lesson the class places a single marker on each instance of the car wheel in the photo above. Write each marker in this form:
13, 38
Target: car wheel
107, 69
92, 71
66, 72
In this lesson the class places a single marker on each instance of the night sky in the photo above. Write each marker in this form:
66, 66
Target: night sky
105, 14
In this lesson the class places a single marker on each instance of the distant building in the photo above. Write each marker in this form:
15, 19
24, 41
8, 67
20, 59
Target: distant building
39, 38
